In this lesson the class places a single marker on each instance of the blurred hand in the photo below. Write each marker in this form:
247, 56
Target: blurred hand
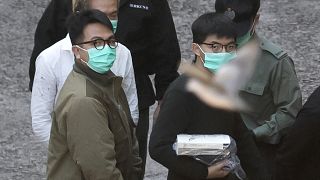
217, 171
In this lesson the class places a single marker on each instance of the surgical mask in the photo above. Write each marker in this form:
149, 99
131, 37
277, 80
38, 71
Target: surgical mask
114, 25
214, 61
102, 60
241, 41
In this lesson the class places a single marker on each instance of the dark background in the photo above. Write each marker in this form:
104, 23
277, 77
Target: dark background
292, 24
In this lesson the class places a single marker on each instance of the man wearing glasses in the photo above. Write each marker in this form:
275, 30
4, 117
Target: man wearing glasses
214, 45
55, 63
92, 135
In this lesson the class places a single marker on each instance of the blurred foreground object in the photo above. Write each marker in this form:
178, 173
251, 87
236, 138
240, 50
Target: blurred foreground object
220, 90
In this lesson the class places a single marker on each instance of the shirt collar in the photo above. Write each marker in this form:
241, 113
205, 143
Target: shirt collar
66, 43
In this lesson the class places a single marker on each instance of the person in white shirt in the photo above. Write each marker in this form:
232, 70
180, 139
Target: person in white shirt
53, 66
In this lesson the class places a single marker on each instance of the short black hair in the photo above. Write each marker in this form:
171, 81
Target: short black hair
77, 21
212, 24
244, 9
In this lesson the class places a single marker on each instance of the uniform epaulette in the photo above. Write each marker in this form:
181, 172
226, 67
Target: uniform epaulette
272, 48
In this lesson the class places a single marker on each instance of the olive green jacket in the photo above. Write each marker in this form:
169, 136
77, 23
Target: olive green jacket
91, 135
273, 93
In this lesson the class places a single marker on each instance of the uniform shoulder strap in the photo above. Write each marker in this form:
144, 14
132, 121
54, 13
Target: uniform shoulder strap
272, 48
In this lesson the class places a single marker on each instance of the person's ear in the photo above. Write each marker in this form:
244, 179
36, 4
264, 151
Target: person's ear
196, 49
76, 52
257, 19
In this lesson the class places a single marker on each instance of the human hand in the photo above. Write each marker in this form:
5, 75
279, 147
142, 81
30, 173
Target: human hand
217, 170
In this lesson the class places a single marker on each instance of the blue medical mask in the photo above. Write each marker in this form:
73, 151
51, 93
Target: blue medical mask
241, 41
102, 60
114, 25
244, 39
214, 61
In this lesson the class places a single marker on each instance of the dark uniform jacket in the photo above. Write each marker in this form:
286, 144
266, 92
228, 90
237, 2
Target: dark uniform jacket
145, 26
183, 113
298, 157
92, 135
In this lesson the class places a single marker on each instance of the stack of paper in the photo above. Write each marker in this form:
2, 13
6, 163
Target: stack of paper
194, 145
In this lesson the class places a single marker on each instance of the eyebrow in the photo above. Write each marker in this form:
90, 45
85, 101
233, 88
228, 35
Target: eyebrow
98, 37
214, 42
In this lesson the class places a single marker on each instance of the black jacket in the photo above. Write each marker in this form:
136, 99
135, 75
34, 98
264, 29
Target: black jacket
145, 26
298, 157
51, 29
183, 113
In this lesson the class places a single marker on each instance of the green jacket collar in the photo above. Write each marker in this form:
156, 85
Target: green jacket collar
102, 80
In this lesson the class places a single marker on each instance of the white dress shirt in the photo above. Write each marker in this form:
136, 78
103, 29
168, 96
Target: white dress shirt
53, 66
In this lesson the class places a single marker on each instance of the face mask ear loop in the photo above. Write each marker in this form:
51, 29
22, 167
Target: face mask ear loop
201, 60
202, 52
80, 48
84, 61
252, 28
83, 50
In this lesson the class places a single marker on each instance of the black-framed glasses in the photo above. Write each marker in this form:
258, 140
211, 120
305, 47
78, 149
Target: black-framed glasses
100, 43
217, 47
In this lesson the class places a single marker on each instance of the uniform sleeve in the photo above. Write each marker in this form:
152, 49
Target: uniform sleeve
248, 152
172, 120
43, 99
90, 140
50, 29
286, 97
166, 50
129, 88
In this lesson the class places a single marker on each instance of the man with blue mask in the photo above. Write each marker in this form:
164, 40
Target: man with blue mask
146, 28
184, 113
273, 92
92, 134
55, 63
215, 53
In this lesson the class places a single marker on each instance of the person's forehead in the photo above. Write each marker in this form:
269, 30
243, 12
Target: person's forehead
221, 40
96, 30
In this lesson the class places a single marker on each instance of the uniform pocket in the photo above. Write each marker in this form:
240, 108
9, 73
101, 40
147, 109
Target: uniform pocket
254, 88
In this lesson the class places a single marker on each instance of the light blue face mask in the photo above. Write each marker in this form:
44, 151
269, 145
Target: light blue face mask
114, 25
214, 61
101, 61
241, 41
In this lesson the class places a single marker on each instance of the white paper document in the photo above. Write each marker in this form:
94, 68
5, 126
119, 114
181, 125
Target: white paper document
201, 144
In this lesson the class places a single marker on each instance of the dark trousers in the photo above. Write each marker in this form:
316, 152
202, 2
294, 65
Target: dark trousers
268, 153
142, 135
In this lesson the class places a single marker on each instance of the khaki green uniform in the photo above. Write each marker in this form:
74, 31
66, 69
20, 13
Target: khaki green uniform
273, 93
91, 134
